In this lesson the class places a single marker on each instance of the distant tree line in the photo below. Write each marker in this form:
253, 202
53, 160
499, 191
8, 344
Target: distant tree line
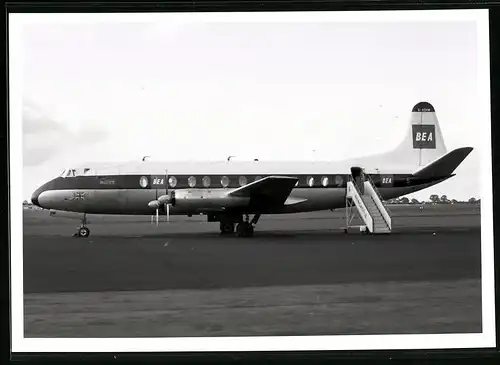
433, 199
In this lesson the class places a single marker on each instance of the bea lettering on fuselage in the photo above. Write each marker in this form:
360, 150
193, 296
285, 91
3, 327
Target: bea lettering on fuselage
158, 181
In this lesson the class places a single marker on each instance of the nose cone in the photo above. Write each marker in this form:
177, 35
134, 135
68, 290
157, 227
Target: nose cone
34, 197
38, 194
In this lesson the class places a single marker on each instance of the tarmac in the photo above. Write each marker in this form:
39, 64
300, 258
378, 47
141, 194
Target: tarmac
299, 275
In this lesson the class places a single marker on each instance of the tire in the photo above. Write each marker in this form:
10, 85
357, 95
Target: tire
240, 230
84, 232
226, 228
244, 230
249, 231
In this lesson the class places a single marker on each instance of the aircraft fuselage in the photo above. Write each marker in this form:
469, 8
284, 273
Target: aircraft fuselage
130, 194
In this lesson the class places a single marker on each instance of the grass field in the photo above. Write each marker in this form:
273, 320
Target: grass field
299, 275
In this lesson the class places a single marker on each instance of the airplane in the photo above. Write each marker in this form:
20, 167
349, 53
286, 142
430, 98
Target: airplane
229, 191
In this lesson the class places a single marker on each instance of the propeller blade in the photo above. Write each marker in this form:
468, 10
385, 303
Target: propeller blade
156, 216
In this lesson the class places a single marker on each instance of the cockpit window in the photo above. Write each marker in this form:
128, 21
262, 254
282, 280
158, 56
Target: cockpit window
77, 172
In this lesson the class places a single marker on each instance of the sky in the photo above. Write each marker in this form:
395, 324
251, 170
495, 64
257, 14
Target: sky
177, 90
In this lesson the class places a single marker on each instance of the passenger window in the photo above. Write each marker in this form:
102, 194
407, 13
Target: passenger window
192, 181
224, 181
206, 181
310, 181
243, 180
172, 181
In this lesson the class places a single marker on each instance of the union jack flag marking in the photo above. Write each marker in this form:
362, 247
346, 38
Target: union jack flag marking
78, 196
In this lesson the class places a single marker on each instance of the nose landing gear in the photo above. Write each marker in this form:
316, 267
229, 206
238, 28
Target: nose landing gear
82, 230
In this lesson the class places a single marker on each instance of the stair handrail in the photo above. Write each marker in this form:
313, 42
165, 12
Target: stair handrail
386, 215
353, 181
378, 193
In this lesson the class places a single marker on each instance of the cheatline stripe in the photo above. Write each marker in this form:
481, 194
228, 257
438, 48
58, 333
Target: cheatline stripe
215, 181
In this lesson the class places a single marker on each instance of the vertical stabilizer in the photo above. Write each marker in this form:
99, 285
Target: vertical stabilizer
424, 140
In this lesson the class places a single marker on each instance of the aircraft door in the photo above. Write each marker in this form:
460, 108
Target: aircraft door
357, 175
376, 179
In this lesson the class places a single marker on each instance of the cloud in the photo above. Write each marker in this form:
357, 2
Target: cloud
44, 137
35, 121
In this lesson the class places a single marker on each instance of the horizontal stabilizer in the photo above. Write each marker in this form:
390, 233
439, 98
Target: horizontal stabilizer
444, 166
271, 190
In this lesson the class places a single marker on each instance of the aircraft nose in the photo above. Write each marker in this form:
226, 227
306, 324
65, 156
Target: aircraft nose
34, 197
38, 197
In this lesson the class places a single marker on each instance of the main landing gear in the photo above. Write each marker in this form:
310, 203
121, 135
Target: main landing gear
244, 228
226, 227
82, 230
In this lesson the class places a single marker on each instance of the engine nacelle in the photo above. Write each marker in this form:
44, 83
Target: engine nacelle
154, 204
202, 199
167, 199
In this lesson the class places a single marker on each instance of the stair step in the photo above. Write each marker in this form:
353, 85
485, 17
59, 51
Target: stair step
377, 214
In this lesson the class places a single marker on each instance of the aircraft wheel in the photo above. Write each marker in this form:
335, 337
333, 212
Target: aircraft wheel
244, 230
84, 232
226, 228
249, 231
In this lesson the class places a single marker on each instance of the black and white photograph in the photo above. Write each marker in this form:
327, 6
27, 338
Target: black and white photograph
251, 181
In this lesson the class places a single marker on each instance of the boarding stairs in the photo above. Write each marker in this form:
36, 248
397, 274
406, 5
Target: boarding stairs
364, 198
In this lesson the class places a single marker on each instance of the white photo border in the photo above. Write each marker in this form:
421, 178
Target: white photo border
290, 343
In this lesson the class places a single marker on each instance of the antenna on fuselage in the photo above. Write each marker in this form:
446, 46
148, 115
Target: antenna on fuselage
144, 158
229, 158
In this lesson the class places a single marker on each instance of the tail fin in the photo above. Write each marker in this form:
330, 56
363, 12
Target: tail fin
424, 141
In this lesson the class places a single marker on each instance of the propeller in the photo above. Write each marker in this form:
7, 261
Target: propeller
165, 200
155, 204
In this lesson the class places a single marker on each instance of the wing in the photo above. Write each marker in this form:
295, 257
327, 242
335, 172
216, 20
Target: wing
268, 191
